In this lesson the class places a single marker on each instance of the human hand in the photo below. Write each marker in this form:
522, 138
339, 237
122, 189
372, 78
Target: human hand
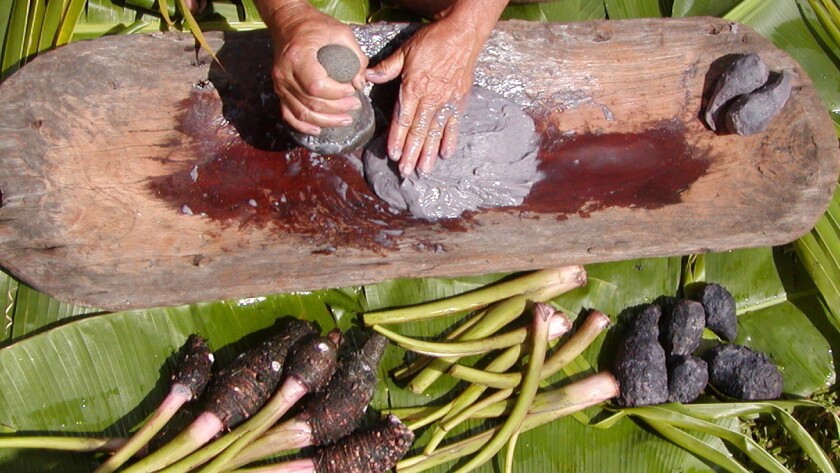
309, 98
436, 66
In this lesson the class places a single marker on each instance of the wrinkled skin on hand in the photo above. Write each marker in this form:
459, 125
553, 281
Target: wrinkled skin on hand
436, 66
309, 98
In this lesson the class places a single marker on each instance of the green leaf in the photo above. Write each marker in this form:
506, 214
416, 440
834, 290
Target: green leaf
14, 52
625, 9
684, 8
8, 295
698, 447
35, 311
557, 11
820, 254
251, 11
68, 22
349, 11
670, 415
804, 439
52, 18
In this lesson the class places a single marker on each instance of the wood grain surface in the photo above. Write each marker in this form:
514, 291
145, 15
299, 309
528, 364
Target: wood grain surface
108, 146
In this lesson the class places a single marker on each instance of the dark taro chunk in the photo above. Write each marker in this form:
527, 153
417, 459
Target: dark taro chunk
687, 377
744, 75
641, 371
645, 322
752, 114
744, 374
682, 326
720, 311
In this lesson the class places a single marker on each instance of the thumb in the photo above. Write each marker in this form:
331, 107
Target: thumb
388, 69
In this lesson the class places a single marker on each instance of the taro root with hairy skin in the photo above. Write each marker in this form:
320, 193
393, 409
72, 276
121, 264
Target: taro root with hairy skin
191, 375
751, 114
310, 364
720, 311
329, 414
640, 363
240, 389
742, 373
235, 394
371, 451
375, 450
681, 327
746, 74
687, 377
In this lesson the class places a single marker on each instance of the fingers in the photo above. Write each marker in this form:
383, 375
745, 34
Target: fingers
422, 131
304, 119
388, 69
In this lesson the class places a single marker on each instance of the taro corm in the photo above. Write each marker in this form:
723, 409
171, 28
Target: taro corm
640, 365
681, 327
310, 365
720, 311
192, 373
235, 394
744, 374
375, 450
687, 377
330, 414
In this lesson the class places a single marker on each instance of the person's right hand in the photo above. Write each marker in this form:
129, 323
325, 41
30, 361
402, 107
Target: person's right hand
309, 98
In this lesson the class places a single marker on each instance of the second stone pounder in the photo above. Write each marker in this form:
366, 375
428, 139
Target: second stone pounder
341, 64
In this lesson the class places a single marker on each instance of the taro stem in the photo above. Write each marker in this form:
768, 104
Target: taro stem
311, 364
556, 325
557, 403
234, 395
499, 316
574, 276
464, 401
530, 384
66, 444
188, 382
595, 323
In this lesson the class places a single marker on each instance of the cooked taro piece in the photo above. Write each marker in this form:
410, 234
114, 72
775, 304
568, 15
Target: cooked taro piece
640, 362
682, 326
751, 114
720, 311
645, 322
744, 75
687, 377
743, 374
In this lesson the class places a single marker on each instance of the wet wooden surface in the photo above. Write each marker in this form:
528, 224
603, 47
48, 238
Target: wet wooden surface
109, 145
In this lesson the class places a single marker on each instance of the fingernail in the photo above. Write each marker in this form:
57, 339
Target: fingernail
405, 170
315, 131
395, 154
356, 105
372, 74
347, 122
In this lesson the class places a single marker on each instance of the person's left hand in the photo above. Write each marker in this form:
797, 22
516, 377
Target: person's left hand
436, 66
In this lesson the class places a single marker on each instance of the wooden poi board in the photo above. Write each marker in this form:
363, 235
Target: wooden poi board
137, 173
